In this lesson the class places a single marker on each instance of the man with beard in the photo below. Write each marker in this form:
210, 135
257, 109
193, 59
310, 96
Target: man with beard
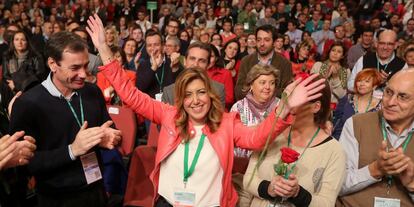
265, 37
70, 122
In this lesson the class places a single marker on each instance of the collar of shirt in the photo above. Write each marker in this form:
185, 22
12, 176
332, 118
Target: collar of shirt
387, 61
268, 62
51, 88
395, 139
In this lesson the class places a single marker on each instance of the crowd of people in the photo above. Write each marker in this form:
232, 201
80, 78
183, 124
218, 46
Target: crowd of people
223, 80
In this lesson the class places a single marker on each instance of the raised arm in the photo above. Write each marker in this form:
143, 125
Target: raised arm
297, 93
112, 70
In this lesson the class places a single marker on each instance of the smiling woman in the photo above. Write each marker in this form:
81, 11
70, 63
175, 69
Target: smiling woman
362, 101
197, 127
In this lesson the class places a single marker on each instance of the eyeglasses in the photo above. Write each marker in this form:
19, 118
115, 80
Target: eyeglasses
388, 44
401, 97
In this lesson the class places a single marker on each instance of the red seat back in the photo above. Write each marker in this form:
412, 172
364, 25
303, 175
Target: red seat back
125, 120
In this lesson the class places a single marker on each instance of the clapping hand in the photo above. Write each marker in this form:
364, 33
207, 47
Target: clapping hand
175, 59
14, 153
156, 59
112, 136
392, 161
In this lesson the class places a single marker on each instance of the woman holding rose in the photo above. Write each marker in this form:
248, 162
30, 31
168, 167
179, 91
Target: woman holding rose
315, 162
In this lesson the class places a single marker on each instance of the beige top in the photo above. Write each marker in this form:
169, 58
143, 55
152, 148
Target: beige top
320, 171
334, 83
205, 180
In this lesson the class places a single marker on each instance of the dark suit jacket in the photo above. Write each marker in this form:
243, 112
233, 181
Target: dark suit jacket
168, 92
278, 61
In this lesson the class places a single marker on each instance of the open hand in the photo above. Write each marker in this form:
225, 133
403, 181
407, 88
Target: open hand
302, 91
96, 31
112, 136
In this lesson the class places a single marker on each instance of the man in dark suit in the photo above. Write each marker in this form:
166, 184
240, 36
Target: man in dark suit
198, 55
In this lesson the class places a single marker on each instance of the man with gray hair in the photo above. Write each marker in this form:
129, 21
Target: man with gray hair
384, 59
379, 166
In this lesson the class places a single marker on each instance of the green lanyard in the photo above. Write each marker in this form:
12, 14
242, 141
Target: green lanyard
384, 135
80, 122
366, 109
404, 147
189, 172
162, 77
303, 153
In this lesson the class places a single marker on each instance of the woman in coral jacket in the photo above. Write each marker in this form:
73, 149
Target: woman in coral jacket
191, 170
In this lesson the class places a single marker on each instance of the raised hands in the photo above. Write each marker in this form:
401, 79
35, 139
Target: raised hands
96, 31
302, 91
14, 153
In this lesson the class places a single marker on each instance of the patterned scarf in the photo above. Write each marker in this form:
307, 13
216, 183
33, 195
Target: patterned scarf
256, 107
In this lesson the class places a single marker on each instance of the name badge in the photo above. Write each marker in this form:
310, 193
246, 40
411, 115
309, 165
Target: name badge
386, 202
246, 25
184, 198
158, 97
91, 167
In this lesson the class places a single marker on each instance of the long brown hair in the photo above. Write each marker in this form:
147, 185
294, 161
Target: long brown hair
215, 112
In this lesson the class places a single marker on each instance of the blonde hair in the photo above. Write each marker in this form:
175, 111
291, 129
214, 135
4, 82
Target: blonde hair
258, 70
215, 112
112, 28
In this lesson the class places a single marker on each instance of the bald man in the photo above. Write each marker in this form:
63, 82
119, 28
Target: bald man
380, 170
384, 59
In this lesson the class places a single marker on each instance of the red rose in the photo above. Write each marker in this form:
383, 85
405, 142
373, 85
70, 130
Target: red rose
289, 155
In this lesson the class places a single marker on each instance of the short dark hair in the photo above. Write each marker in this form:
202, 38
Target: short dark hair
151, 33
269, 29
367, 29
173, 19
64, 40
228, 20
203, 46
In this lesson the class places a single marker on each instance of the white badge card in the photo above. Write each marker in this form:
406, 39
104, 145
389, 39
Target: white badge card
386, 202
246, 25
91, 167
184, 198
158, 96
